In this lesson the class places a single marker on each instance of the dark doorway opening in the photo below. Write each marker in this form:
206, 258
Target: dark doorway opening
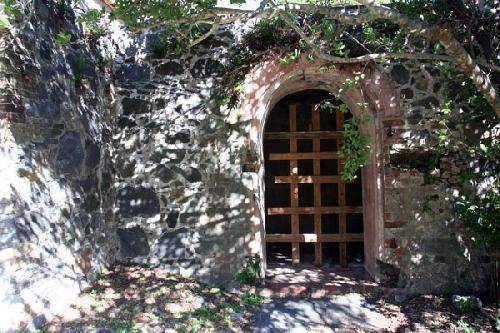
312, 214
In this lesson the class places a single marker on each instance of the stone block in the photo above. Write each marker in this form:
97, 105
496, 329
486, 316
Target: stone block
135, 106
70, 154
172, 218
12, 108
180, 137
173, 245
400, 74
133, 242
133, 73
93, 155
428, 102
171, 68
191, 174
205, 68
137, 201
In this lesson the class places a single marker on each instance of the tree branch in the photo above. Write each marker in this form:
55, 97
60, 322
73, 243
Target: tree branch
367, 57
446, 38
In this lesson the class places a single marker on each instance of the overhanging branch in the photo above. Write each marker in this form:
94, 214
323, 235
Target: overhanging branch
446, 38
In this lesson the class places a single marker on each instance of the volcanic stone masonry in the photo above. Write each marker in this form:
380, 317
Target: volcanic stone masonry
111, 154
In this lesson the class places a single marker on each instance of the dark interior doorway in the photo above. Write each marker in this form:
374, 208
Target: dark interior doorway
312, 215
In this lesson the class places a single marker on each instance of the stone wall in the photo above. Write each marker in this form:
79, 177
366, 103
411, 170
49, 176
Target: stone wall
56, 218
426, 247
162, 179
183, 201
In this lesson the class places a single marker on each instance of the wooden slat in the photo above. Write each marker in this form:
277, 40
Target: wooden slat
302, 156
314, 210
313, 238
294, 187
318, 258
304, 135
307, 179
341, 193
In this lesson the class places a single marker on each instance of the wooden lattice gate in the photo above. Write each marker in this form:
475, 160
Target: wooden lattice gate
312, 144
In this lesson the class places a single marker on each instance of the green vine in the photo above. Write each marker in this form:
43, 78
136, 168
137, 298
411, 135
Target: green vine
355, 149
478, 210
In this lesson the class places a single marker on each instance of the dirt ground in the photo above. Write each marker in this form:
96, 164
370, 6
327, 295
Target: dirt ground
136, 299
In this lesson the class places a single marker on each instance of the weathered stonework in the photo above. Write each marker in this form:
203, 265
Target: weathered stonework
194, 158
171, 141
136, 163
56, 218
426, 245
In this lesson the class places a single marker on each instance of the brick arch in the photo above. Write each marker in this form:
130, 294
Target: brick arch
269, 82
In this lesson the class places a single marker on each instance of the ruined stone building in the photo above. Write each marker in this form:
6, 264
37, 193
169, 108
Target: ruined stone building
110, 153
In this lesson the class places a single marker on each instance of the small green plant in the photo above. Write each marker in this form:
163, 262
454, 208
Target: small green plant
443, 130
340, 49
62, 38
289, 58
91, 20
253, 299
9, 10
208, 312
250, 274
79, 70
233, 308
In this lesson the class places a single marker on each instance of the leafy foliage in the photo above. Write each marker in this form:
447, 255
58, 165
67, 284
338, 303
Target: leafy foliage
271, 34
9, 10
144, 13
481, 215
356, 147
92, 20
253, 299
250, 274
62, 38
479, 211
383, 35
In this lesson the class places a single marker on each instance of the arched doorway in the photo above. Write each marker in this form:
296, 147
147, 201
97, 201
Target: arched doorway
311, 214
267, 84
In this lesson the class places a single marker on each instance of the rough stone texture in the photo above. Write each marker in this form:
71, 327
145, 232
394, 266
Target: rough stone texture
426, 247
133, 243
189, 156
172, 169
56, 218
137, 201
